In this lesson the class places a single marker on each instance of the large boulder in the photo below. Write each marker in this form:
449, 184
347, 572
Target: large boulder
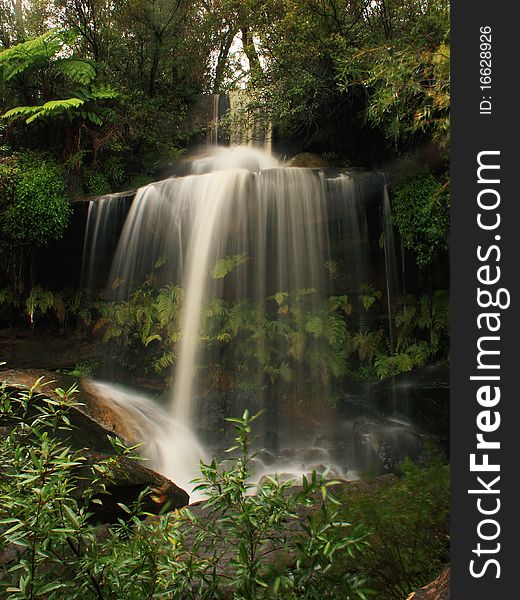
129, 479
95, 416
92, 421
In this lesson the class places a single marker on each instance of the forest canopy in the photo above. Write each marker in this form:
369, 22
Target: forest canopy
95, 76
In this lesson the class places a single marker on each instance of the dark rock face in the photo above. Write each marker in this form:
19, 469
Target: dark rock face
439, 589
130, 479
422, 395
25, 349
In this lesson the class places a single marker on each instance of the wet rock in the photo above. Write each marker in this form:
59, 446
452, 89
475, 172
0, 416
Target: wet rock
381, 446
439, 589
314, 454
93, 419
308, 160
266, 457
91, 424
129, 480
422, 395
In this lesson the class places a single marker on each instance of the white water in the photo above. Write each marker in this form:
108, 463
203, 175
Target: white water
238, 202
166, 446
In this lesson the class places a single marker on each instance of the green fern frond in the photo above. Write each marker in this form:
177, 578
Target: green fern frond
165, 361
30, 54
48, 109
77, 70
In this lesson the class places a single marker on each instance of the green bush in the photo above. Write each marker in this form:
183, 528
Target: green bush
421, 211
95, 183
407, 523
44, 494
276, 543
34, 205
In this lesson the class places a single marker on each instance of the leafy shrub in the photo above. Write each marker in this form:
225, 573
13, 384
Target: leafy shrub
407, 525
56, 552
421, 211
35, 208
47, 56
426, 318
44, 494
95, 183
83, 369
143, 329
65, 308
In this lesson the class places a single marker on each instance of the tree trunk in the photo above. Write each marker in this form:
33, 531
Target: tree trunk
250, 51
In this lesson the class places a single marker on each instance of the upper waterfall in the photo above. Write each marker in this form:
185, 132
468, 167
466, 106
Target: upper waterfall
244, 236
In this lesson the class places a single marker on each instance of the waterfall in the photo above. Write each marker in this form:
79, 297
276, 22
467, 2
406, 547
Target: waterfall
272, 218
391, 261
246, 235
215, 117
248, 126
105, 220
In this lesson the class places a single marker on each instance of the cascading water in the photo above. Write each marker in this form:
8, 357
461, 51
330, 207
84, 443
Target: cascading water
213, 131
247, 126
391, 262
271, 218
245, 235
104, 222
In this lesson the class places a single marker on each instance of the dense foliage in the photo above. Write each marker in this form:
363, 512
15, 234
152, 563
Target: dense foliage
34, 206
409, 519
307, 64
111, 90
421, 211
286, 340
46, 525
277, 543
386, 63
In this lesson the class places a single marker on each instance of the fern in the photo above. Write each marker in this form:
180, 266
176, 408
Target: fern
225, 265
30, 54
78, 70
165, 361
368, 344
38, 300
369, 296
49, 109
47, 53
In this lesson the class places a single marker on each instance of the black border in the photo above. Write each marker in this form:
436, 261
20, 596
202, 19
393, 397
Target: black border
472, 133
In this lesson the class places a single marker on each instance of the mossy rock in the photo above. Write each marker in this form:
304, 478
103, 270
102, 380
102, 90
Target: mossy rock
308, 160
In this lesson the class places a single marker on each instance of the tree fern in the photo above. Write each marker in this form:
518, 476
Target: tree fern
49, 109
30, 54
78, 70
49, 53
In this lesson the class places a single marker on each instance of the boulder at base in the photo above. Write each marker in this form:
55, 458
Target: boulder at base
92, 421
129, 480
94, 418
